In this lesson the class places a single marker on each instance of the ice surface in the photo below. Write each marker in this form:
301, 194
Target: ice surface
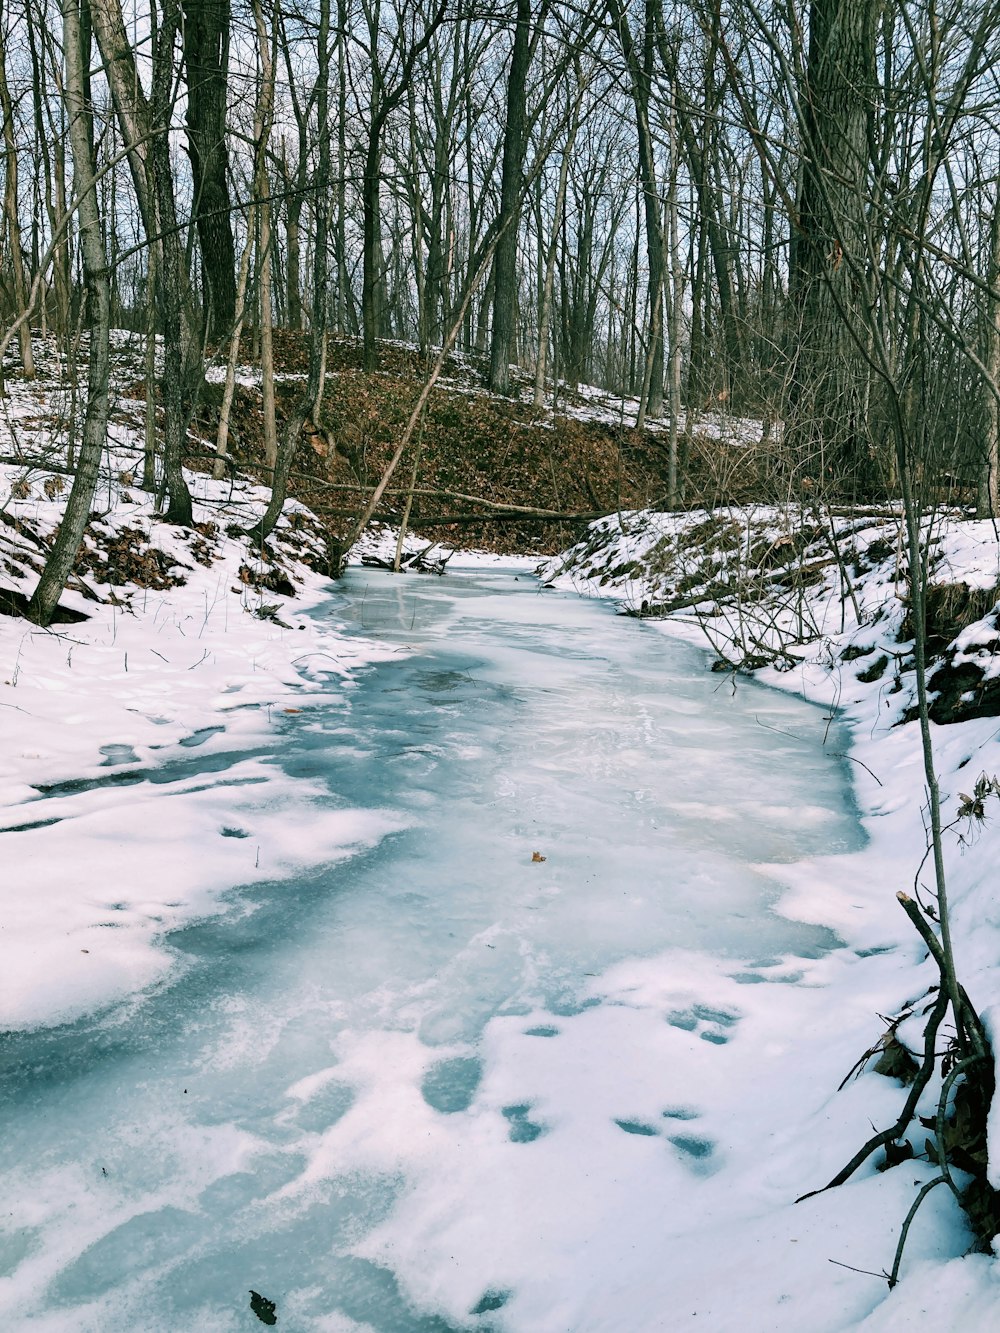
339, 1096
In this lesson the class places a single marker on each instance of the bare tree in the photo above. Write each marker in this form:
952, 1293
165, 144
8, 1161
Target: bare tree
505, 260
830, 374
98, 290
206, 65
392, 72
12, 223
639, 68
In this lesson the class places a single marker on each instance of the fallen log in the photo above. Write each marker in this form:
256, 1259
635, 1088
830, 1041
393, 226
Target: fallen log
411, 562
439, 493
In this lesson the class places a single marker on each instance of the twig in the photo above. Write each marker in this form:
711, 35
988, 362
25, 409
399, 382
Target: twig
842, 754
894, 1275
836, 754
906, 1115
883, 1276
966, 1015
942, 1111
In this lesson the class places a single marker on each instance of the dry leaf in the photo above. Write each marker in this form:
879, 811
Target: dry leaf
537, 856
264, 1309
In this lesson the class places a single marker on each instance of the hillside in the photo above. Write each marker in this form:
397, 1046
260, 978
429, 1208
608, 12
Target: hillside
155, 716
489, 469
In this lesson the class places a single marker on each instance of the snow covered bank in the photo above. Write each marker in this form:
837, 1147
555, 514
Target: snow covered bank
175, 646
170, 646
627, 1159
540, 1062
815, 602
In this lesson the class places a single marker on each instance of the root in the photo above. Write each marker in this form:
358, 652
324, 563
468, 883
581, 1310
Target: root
959, 1124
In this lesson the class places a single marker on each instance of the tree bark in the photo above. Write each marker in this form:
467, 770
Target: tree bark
206, 67
675, 318
131, 103
988, 479
371, 252
149, 450
548, 278
229, 391
308, 399
263, 121
95, 273
13, 225
640, 78
505, 259
179, 350
294, 186
340, 185
826, 418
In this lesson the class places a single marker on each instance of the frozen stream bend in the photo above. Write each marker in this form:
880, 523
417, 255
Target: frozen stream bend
441, 1085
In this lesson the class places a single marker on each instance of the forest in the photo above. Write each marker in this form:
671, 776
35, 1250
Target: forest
698, 303
789, 212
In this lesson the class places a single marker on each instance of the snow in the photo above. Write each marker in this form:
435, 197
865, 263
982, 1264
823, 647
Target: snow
152, 678
448, 1076
250, 377
584, 1113
586, 402
641, 561
647, 1201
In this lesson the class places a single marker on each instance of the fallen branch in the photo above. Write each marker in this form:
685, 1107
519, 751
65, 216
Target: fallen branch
411, 562
960, 1141
520, 516
439, 493
42, 464
894, 1275
967, 1015
891, 1134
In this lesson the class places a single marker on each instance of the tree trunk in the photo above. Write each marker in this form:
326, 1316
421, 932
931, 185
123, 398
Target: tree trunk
384, 99
988, 480
308, 399
178, 348
293, 239
153, 185
53, 176
13, 225
95, 275
417, 212
131, 103
149, 416
675, 298
505, 259
340, 226
263, 120
640, 77
229, 391
206, 67
371, 270
826, 412
545, 303
687, 108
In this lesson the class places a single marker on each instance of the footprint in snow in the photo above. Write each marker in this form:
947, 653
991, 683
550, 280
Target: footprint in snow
641, 1127
522, 1128
490, 1300
450, 1086
710, 1024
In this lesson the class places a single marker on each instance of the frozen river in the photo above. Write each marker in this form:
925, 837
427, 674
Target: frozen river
373, 1093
